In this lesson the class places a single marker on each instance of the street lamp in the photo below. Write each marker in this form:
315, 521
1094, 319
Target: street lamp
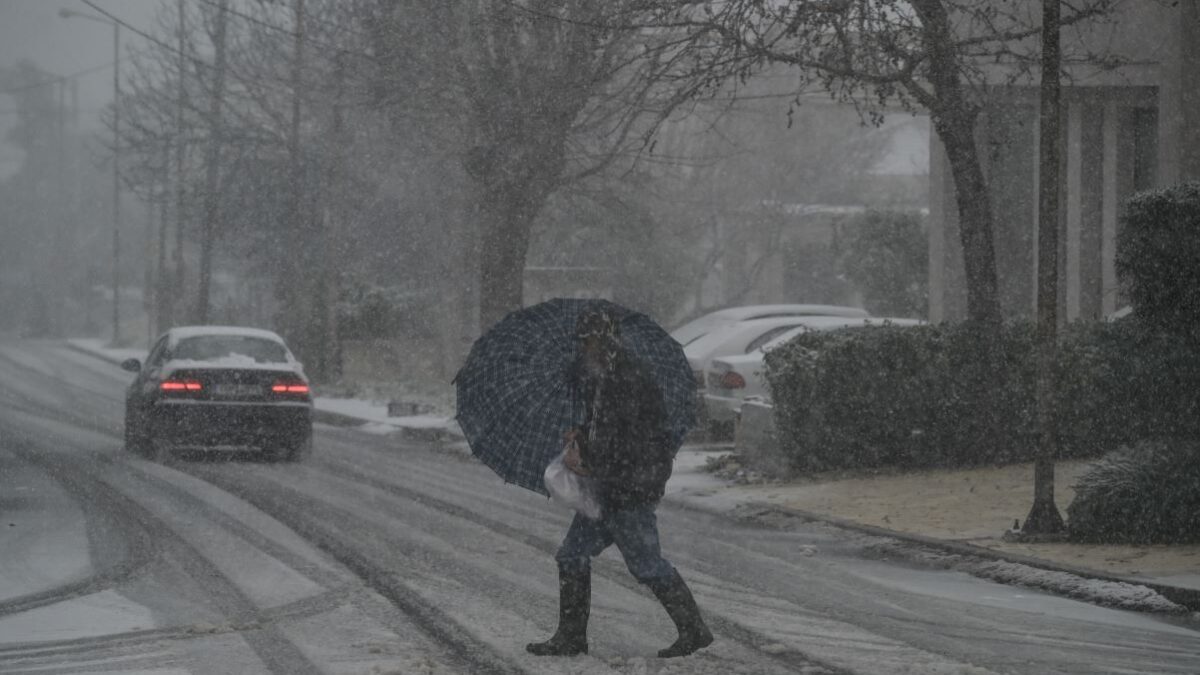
116, 209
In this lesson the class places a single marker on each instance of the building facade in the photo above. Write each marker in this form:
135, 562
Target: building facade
1127, 129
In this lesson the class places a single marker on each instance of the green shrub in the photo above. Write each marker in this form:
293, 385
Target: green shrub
886, 257
1158, 257
951, 394
959, 395
1145, 494
366, 312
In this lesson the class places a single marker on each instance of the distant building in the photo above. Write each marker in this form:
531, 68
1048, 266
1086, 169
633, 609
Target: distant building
781, 252
1125, 130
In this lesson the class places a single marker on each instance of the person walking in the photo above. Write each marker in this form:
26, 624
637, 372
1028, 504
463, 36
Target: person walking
626, 450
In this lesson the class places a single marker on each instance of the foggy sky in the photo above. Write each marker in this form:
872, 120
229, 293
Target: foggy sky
32, 29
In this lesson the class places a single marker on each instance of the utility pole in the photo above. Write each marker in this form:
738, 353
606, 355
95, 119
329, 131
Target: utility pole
212, 174
297, 326
1044, 518
178, 294
162, 287
330, 361
149, 292
57, 317
116, 199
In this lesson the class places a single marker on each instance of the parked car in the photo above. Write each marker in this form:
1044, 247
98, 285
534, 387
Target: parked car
698, 327
731, 380
219, 387
736, 337
1119, 314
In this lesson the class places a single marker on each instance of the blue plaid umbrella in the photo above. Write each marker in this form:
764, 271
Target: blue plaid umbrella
516, 395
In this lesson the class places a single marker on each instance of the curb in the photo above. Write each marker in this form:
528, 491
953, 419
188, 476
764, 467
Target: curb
1185, 597
95, 355
323, 416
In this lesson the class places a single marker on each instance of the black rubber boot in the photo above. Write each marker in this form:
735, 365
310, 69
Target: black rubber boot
574, 606
675, 597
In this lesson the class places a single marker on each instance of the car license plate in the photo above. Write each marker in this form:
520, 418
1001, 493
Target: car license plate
233, 390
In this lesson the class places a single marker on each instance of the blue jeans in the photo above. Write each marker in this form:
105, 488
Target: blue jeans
634, 531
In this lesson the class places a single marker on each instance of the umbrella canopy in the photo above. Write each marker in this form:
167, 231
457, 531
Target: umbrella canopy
517, 395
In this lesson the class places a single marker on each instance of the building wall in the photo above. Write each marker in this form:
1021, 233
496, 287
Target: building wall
1123, 131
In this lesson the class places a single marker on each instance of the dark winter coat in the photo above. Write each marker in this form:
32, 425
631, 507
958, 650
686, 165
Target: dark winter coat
625, 444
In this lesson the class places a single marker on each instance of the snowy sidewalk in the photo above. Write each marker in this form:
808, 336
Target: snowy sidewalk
956, 518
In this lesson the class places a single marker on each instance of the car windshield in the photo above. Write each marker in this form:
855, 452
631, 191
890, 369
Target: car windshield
770, 336
216, 347
707, 342
698, 328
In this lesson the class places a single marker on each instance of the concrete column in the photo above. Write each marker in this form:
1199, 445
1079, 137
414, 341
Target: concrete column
938, 170
1074, 195
1108, 232
1037, 213
1170, 116
1189, 90
1179, 97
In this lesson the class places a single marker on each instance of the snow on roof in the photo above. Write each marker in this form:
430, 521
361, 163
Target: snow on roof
232, 361
793, 209
750, 311
827, 323
799, 320
185, 332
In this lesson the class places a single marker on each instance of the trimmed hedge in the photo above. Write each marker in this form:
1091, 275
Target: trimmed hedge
1145, 494
954, 395
1158, 257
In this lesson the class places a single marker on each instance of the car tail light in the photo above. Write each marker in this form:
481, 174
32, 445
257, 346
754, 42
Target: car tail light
732, 380
282, 387
181, 385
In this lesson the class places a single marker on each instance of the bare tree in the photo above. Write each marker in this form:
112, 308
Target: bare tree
940, 56
259, 106
546, 92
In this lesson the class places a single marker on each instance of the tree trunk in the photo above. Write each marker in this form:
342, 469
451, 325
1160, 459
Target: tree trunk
508, 221
1044, 517
954, 118
975, 220
212, 160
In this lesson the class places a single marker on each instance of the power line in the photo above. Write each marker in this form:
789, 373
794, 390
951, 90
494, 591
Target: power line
137, 31
288, 31
174, 50
56, 80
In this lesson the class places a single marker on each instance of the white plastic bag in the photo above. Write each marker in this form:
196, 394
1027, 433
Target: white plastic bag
571, 489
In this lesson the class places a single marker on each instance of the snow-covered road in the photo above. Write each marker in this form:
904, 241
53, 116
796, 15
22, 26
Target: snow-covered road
384, 556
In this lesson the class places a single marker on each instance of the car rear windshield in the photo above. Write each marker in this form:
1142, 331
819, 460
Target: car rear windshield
216, 347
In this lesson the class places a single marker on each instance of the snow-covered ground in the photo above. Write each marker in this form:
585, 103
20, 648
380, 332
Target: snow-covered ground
973, 506
374, 557
375, 413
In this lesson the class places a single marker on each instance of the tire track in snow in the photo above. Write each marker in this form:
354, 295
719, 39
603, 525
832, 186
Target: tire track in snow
139, 549
276, 653
325, 515
299, 510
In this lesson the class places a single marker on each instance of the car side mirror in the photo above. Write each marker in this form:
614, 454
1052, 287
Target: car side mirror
132, 365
